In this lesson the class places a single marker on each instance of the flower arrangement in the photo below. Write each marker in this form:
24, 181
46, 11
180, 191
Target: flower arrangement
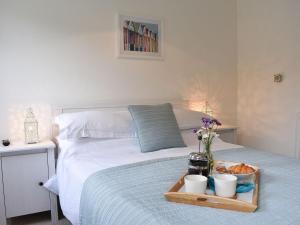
206, 135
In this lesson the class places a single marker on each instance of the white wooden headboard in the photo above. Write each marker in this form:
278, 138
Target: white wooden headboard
112, 106
118, 105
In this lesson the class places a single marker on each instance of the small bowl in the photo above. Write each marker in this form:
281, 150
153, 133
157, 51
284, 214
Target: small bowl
241, 178
5, 142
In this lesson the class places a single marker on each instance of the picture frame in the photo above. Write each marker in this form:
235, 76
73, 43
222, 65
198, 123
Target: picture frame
140, 38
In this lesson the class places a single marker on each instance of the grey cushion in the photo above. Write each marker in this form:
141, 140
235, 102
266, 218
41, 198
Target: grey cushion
156, 127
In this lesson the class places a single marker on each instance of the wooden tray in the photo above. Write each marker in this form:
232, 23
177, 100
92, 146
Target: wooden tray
213, 201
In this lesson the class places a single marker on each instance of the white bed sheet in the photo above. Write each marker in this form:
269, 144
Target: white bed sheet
78, 160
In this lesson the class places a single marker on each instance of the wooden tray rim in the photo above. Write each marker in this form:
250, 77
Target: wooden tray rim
214, 201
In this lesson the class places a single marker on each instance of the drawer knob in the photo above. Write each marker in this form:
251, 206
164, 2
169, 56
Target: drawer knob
41, 183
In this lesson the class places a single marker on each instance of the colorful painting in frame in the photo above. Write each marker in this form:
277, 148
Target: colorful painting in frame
140, 38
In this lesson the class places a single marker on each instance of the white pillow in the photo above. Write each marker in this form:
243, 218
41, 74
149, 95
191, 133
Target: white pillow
188, 119
95, 124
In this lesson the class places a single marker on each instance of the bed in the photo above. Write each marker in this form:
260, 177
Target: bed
112, 182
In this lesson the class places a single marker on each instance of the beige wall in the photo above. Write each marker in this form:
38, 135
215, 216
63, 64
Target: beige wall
63, 52
268, 43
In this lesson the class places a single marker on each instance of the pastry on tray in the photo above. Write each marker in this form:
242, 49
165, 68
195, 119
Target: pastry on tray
241, 169
236, 169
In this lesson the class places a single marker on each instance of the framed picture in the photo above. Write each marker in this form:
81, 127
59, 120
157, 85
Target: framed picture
140, 37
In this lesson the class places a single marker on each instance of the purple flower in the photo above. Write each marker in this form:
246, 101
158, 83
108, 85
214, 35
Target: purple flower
206, 122
195, 130
217, 122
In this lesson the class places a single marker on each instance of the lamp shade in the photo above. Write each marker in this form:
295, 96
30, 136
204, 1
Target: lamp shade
31, 128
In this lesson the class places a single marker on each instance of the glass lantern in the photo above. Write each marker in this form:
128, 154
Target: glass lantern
31, 128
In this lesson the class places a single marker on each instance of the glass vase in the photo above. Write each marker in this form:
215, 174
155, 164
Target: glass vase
210, 158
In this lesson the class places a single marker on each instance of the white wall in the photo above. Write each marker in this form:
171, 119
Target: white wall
63, 52
268, 43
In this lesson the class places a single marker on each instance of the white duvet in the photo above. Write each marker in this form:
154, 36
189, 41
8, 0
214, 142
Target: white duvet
78, 160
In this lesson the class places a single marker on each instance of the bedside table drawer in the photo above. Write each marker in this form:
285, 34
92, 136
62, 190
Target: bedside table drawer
22, 177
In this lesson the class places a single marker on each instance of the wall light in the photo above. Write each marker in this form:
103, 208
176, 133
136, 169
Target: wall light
201, 107
16, 118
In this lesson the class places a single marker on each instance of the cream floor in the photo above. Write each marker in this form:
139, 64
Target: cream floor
36, 219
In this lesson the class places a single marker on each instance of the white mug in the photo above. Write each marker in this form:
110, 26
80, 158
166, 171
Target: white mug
225, 185
195, 184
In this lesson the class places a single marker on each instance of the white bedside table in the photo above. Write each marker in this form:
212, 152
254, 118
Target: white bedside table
228, 133
24, 169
